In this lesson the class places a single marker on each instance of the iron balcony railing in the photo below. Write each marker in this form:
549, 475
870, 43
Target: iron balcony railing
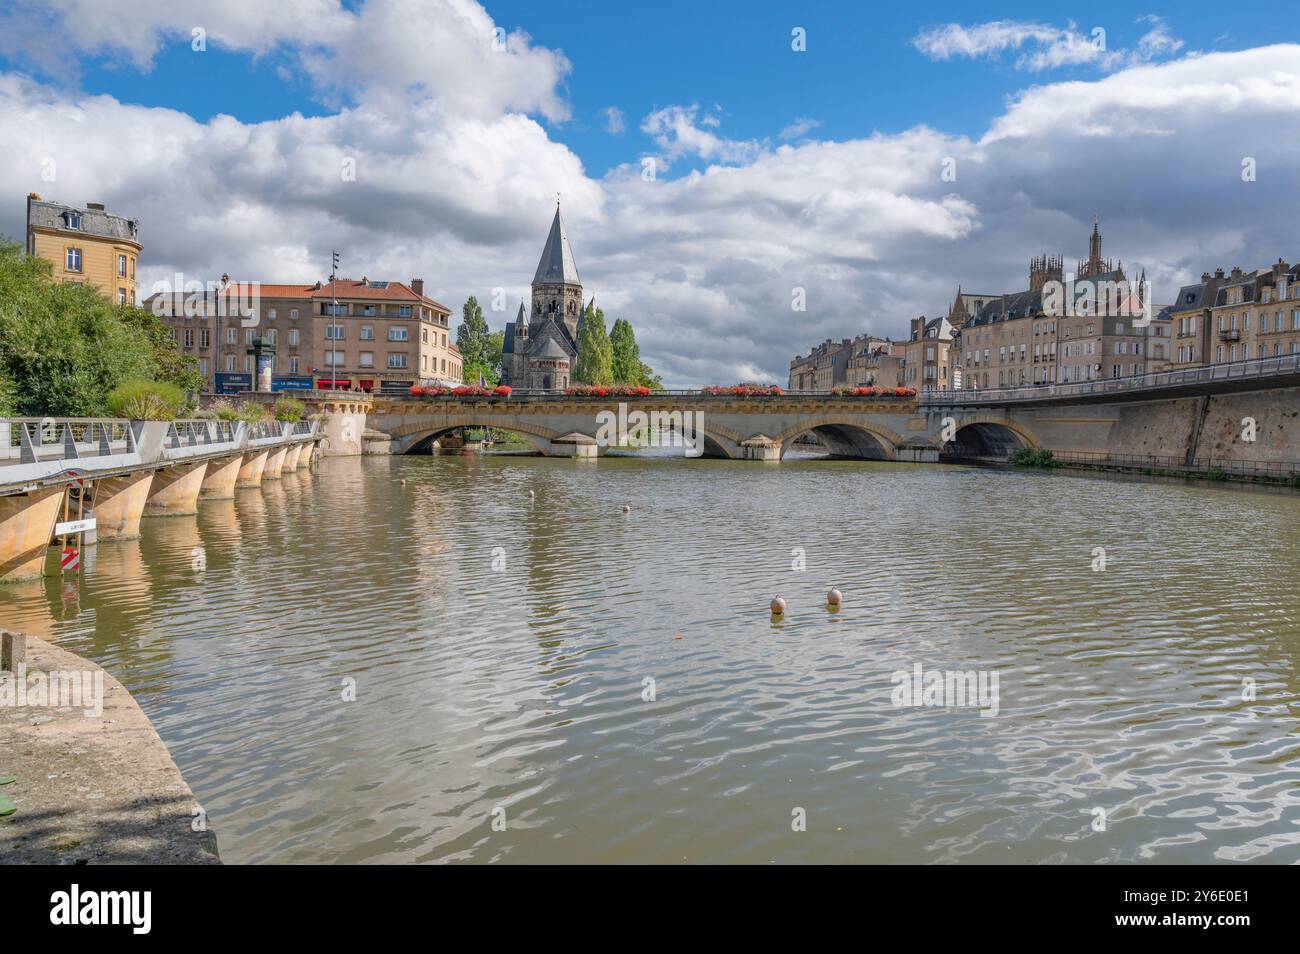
1208, 374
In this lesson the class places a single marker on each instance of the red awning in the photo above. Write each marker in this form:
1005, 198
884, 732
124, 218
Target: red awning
336, 384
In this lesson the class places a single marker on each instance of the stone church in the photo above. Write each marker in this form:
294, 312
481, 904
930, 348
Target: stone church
541, 346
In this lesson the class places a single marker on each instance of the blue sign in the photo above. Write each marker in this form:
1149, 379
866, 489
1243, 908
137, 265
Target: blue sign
232, 382
290, 382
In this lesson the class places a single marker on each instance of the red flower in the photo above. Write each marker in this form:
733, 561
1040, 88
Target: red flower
502, 389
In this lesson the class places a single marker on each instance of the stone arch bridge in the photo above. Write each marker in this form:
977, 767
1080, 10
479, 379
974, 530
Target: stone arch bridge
749, 428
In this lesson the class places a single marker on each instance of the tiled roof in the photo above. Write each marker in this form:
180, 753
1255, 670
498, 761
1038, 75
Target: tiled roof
556, 265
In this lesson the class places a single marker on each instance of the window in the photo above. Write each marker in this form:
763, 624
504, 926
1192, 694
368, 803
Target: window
73, 220
367, 311
333, 309
270, 336
396, 360
293, 314
203, 366
189, 337
335, 358
399, 333
230, 363
249, 334
270, 314
367, 359
205, 338
293, 338
121, 296
367, 332
232, 336
74, 259
335, 332
121, 266
293, 364
404, 311
248, 364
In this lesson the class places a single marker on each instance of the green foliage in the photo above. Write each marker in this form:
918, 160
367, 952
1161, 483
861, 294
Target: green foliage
146, 401
595, 353
289, 409
224, 410
472, 335
470, 374
251, 412
64, 348
1035, 457
628, 367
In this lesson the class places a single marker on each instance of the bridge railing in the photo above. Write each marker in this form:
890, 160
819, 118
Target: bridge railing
1228, 371
30, 439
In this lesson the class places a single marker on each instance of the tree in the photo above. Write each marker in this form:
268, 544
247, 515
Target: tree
472, 335
489, 367
64, 347
629, 369
595, 354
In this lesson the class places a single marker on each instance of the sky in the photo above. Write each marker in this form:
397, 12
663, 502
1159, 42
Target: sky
716, 162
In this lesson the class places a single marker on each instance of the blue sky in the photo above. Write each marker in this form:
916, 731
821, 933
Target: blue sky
776, 168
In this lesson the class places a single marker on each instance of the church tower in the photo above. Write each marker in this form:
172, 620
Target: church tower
557, 289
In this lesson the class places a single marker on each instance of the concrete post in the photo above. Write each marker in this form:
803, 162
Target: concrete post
219, 484
250, 472
175, 490
26, 526
291, 458
119, 505
274, 463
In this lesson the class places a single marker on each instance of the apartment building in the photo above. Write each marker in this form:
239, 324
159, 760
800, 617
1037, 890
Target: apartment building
1257, 314
1192, 323
826, 366
361, 335
925, 355
85, 246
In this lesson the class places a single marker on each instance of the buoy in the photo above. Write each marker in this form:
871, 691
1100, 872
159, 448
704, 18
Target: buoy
834, 598
626, 508
778, 606
532, 493
403, 481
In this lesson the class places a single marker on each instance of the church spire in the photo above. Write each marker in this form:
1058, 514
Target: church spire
556, 266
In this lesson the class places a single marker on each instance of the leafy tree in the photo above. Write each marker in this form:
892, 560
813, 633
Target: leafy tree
63, 347
595, 353
626, 354
472, 336
471, 372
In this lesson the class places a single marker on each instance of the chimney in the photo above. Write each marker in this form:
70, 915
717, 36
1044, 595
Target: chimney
1205, 276
1236, 272
1218, 273
95, 206
417, 286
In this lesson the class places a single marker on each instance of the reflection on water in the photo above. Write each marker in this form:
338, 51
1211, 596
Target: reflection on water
499, 646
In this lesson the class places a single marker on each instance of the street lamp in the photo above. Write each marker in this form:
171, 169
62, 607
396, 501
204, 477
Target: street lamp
334, 320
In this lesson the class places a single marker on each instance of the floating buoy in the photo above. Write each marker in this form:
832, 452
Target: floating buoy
626, 508
834, 598
403, 481
778, 606
532, 493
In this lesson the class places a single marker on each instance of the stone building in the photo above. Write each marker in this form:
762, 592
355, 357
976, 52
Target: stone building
85, 246
383, 335
827, 365
925, 363
541, 348
1257, 314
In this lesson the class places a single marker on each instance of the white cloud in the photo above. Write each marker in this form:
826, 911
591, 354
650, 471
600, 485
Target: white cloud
459, 191
799, 128
613, 120
677, 131
1042, 46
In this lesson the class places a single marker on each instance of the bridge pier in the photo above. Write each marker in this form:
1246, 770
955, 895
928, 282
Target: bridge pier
175, 490
26, 526
761, 447
219, 483
250, 471
119, 505
292, 457
274, 463
576, 445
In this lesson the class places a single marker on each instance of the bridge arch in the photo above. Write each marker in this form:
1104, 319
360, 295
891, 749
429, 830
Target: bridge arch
845, 436
986, 435
412, 435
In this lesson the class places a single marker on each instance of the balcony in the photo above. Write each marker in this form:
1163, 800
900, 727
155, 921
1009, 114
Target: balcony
1229, 334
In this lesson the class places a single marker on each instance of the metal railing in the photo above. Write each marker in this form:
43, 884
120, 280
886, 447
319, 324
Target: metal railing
1208, 374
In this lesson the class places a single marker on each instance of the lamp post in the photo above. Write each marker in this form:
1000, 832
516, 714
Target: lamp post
334, 321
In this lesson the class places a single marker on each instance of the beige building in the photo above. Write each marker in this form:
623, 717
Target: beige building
925, 358
85, 246
1257, 314
1191, 323
827, 365
364, 335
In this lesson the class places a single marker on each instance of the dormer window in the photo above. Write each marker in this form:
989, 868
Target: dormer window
73, 219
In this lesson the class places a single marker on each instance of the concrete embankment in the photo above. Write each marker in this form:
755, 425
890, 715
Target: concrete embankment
89, 786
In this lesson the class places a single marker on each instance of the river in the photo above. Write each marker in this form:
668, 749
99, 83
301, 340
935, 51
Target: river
547, 678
